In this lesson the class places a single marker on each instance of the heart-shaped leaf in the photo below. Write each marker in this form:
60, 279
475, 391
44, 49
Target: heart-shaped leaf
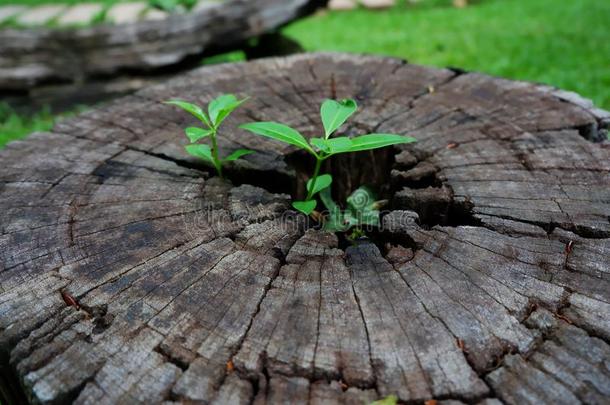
201, 151
335, 113
322, 182
375, 141
192, 109
306, 207
278, 132
194, 134
237, 154
221, 107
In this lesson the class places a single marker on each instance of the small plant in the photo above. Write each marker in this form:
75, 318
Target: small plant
362, 210
334, 114
218, 110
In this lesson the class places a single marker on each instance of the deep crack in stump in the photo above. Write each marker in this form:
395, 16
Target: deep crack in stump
488, 282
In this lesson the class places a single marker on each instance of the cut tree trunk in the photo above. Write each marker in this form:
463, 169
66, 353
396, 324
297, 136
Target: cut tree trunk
131, 274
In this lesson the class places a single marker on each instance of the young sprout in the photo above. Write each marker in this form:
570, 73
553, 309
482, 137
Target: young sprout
218, 110
362, 210
334, 114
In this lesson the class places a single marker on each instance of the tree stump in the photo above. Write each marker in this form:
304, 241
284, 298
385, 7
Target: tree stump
130, 274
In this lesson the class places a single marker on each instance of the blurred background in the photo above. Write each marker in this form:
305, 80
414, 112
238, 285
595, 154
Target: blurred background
564, 43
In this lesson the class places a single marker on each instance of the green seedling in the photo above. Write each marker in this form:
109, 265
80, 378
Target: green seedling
218, 110
362, 210
334, 114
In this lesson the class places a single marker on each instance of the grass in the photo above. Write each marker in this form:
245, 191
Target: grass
566, 45
15, 126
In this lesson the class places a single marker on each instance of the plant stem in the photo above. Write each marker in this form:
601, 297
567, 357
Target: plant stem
217, 162
314, 178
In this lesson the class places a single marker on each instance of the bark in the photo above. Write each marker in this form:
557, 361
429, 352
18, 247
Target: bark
487, 283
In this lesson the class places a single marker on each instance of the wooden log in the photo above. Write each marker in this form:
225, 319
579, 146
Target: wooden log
34, 56
130, 274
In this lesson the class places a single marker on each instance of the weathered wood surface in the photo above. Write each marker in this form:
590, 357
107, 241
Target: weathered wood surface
59, 97
36, 56
489, 283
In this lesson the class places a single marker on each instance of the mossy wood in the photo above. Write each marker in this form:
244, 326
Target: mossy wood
488, 284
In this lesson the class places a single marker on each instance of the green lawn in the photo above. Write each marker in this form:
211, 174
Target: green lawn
15, 126
564, 43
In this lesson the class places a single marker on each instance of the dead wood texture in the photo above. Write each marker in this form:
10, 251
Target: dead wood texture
489, 282
35, 56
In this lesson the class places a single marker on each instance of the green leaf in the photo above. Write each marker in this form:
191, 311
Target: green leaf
194, 134
335, 224
369, 217
389, 400
335, 113
334, 220
166, 5
278, 132
328, 201
362, 198
237, 154
306, 207
172, 5
363, 206
201, 151
192, 109
339, 144
333, 145
361, 210
375, 141
222, 106
349, 220
322, 182
320, 144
